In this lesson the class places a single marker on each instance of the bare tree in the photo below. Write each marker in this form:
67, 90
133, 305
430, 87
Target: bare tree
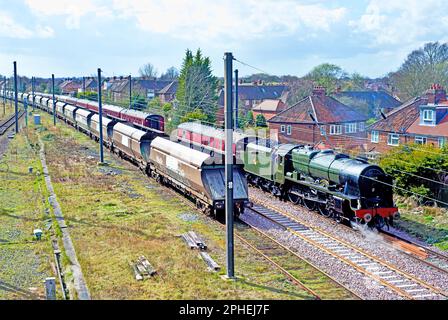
170, 74
422, 67
148, 70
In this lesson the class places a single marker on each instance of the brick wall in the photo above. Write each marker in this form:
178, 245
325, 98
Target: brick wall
383, 147
310, 134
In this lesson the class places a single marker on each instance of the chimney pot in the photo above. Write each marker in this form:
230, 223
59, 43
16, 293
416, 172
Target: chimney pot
318, 91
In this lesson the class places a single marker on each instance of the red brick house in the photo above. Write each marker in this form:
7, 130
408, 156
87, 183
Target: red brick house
69, 87
168, 93
421, 120
269, 108
319, 119
252, 94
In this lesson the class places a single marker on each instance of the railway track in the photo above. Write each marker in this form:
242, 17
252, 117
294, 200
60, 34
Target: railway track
5, 125
402, 283
318, 284
414, 250
428, 256
313, 279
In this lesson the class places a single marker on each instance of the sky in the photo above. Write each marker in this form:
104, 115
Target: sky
75, 37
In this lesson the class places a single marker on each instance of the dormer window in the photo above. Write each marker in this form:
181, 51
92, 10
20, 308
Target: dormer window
428, 117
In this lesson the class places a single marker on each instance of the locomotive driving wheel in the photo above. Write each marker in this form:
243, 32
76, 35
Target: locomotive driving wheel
309, 204
294, 198
324, 210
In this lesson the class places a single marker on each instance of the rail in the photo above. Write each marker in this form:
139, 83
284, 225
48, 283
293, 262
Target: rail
381, 271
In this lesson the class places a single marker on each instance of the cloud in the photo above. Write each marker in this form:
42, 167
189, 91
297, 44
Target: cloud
12, 29
72, 10
203, 19
398, 22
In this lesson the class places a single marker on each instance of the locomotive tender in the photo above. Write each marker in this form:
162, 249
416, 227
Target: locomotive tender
336, 185
195, 174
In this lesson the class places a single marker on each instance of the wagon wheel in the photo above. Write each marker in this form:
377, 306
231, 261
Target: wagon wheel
294, 198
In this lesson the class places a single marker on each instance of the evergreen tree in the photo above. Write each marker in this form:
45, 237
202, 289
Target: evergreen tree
260, 121
197, 89
249, 118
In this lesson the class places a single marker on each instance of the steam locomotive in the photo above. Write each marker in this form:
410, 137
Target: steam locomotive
335, 185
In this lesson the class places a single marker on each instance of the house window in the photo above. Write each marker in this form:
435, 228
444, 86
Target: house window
375, 137
427, 117
393, 139
335, 129
420, 140
441, 142
323, 131
150, 94
362, 127
350, 127
282, 128
288, 130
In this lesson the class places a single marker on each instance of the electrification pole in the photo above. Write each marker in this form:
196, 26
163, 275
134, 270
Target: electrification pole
25, 105
229, 162
5, 92
130, 91
32, 91
236, 98
54, 101
4, 97
11, 89
100, 111
84, 86
16, 97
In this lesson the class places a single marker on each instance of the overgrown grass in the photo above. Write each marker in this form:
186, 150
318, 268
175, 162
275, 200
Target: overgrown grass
5, 110
115, 218
24, 261
427, 223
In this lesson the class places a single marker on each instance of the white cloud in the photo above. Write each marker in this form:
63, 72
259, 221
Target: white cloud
203, 19
44, 32
12, 29
400, 22
73, 10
